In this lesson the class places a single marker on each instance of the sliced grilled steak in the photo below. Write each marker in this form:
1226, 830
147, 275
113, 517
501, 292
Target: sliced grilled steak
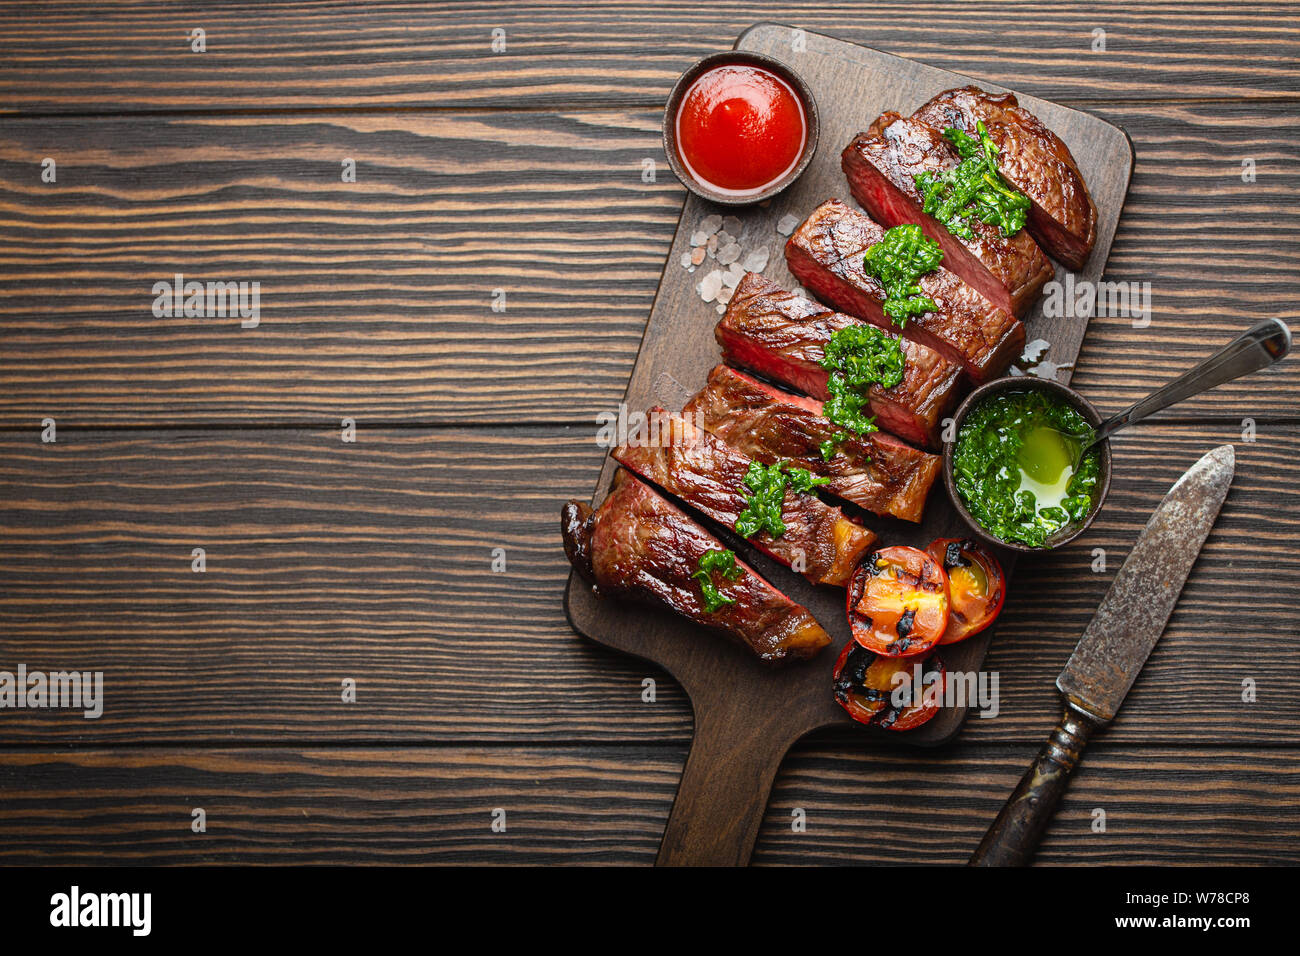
638, 545
783, 336
1034, 160
882, 164
877, 472
965, 327
709, 475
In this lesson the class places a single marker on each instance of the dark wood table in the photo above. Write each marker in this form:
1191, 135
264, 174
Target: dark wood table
514, 178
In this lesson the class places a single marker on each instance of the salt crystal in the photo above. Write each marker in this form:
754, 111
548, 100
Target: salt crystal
686, 260
756, 261
697, 256
699, 238
725, 294
733, 225
1034, 350
785, 225
722, 309
725, 238
729, 253
1048, 370
711, 224
713, 244
709, 285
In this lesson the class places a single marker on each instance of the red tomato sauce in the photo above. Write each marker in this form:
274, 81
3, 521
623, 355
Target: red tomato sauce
740, 128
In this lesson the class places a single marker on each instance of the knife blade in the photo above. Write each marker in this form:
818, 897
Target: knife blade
1132, 616
1112, 650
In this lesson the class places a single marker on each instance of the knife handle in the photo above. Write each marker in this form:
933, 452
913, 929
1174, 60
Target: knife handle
1014, 835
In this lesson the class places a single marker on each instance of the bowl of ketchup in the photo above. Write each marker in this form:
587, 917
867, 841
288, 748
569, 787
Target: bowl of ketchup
739, 128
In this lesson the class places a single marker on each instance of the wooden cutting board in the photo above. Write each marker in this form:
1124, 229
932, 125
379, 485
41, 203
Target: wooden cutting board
747, 715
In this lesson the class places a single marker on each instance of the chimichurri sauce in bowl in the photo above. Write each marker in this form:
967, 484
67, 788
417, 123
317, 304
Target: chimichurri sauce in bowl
1016, 466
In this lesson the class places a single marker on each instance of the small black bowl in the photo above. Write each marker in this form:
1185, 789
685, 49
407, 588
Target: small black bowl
1027, 383
703, 190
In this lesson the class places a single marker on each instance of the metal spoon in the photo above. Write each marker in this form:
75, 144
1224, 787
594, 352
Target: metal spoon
1266, 343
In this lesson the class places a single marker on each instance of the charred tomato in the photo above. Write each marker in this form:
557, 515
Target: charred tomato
898, 602
865, 685
921, 701
976, 586
861, 685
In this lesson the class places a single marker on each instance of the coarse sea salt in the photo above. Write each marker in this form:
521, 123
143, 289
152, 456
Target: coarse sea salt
709, 285
1034, 350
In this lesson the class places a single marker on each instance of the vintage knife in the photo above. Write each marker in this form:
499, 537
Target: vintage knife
1113, 649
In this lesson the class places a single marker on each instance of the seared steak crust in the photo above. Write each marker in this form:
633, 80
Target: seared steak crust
965, 327
709, 475
638, 545
783, 336
877, 472
1063, 218
881, 165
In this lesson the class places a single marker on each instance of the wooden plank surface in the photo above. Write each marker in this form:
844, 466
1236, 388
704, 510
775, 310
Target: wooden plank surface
276, 55
861, 805
377, 296
374, 560
1202, 805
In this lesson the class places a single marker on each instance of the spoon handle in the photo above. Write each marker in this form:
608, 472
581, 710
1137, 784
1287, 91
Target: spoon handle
1251, 351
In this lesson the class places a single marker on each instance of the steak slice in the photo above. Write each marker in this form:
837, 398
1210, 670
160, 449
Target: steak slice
877, 471
1034, 160
709, 475
638, 545
965, 328
783, 336
882, 164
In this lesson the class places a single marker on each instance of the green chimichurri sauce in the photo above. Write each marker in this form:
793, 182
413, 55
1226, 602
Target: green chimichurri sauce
718, 562
898, 261
973, 189
766, 486
857, 356
1016, 466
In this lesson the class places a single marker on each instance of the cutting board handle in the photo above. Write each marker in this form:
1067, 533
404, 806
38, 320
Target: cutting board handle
724, 790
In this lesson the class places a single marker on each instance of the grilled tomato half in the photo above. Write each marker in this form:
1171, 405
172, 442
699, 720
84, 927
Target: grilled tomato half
976, 586
898, 602
866, 686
